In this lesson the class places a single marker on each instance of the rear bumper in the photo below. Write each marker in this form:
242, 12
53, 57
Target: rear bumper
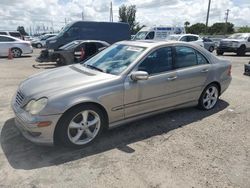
225, 84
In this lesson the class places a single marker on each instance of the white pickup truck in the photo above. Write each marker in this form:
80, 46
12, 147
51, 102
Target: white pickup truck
238, 43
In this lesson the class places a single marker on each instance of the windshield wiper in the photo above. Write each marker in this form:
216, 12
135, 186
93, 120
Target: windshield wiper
93, 67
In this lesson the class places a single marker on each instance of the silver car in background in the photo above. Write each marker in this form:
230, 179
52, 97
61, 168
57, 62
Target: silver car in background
127, 81
16, 45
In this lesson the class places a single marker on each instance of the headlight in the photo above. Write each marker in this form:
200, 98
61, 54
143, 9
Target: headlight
52, 41
36, 106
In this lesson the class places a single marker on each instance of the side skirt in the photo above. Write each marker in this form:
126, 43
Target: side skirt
142, 116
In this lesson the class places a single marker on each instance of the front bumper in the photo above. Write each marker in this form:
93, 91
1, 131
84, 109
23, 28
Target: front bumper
27, 124
227, 49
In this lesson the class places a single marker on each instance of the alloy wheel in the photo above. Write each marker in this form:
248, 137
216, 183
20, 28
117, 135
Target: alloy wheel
84, 127
210, 97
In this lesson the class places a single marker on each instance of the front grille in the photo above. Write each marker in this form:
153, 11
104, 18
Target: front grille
19, 98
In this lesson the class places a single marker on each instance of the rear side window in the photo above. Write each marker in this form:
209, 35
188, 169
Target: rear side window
6, 39
187, 57
15, 34
192, 38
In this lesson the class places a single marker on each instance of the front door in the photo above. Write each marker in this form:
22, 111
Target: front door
158, 91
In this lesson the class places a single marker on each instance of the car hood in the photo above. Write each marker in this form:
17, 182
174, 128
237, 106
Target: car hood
51, 82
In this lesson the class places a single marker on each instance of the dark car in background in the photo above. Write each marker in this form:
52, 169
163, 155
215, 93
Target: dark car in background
209, 44
109, 32
72, 52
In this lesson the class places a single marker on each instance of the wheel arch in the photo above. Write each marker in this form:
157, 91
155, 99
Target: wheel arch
101, 107
16, 48
216, 83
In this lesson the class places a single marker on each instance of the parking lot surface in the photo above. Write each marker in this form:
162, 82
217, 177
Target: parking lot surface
183, 148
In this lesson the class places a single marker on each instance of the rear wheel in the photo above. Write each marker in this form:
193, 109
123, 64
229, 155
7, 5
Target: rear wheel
241, 51
209, 97
16, 52
39, 45
80, 126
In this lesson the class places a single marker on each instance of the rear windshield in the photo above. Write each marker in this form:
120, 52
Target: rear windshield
3, 33
239, 36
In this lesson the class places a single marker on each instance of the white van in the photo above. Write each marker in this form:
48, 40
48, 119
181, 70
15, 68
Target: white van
157, 33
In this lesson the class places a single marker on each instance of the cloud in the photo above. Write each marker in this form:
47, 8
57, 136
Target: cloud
36, 13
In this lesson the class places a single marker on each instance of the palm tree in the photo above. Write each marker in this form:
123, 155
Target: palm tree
187, 23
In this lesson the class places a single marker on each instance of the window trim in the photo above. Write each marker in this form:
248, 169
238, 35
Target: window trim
174, 59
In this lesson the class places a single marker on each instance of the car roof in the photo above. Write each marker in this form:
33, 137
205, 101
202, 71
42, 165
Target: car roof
151, 43
185, 35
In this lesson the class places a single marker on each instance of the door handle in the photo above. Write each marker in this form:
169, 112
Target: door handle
172, 78
204, 70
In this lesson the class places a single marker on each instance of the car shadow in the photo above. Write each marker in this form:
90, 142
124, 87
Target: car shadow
22, 154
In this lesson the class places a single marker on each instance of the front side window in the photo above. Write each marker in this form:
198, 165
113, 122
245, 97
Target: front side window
187, 57
73, 31
150, 35
140, 35
114, 59
158, 61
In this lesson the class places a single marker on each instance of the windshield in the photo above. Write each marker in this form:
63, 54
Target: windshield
140, 35
115, 59
238, 36
64, 29
71, 45
173, 37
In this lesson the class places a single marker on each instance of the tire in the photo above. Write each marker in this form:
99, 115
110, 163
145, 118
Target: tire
241, 51
39, 45
219, 52
209, 97
73, 131
61, 61
16, 52
211, 49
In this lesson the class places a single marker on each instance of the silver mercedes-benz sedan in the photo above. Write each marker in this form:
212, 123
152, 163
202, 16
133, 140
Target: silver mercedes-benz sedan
125, 82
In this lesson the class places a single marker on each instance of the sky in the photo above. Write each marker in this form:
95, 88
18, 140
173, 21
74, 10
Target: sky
48, 14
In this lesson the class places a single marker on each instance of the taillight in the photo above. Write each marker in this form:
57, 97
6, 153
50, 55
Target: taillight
229, 71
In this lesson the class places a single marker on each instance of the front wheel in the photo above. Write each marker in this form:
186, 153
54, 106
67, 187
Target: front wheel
211, 49
39, 45
80, 126
241, 51
209, 97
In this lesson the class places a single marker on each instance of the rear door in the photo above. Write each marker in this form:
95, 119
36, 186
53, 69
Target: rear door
192, 70
5, 45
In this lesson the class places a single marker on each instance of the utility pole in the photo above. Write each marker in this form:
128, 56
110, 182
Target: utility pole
65, 21
208, 10
111, 12
226, 19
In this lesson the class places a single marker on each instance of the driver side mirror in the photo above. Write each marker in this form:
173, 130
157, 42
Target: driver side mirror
248, 39
139, 75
